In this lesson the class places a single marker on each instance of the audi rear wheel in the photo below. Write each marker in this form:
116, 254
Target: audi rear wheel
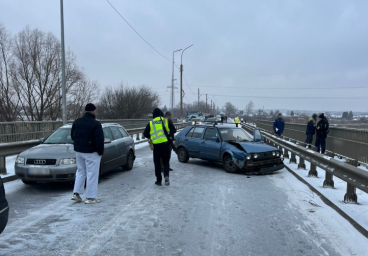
183, 155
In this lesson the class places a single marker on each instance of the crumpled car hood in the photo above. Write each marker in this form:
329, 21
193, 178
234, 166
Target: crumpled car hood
253, 147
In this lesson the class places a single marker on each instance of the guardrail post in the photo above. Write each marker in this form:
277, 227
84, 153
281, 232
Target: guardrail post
313, 169
350, 195
328, 182
143, 136
301, 164
138, 136
2, 165
293, 156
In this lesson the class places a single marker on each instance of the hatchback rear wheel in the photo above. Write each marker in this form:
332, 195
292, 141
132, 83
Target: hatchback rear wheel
29, 182
183, 155
229, 165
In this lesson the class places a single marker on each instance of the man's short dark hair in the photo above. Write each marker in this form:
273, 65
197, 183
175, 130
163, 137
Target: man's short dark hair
279, 114
167, 114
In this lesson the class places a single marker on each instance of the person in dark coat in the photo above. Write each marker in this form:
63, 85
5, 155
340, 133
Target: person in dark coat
88, 140
311, 130
172, 130
279, 125
321, 133
158, 134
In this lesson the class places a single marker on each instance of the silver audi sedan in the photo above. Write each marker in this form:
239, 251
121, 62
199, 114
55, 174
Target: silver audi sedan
55, 160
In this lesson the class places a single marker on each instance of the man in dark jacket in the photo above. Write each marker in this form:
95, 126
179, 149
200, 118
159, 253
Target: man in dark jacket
311, 130
321, 132
172, 130
88, 140
159, 134
279, 125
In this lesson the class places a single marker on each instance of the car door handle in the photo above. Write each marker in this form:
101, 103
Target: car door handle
186, 140
203, 142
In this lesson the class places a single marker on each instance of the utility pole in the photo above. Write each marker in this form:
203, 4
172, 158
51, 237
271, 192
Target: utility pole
63, 87
198, 97
172, 98
211, 107
181, 83
206, 103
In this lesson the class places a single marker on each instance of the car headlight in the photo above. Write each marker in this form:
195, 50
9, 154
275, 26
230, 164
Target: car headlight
248, 157
67, 161
274, 153
277, 153
193, 123
19, 160
255, 156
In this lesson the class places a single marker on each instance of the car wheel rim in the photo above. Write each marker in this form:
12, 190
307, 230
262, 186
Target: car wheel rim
130, 161
230, 165
181, 154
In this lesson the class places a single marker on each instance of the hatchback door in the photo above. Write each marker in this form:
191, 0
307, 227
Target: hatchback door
4, 208
210, 145
193, 141
109, 157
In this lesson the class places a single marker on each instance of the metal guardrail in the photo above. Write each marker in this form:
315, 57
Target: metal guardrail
8, 149
346, 171
349, 142
32, 130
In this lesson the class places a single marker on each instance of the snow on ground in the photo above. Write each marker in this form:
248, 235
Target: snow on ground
10, 160
321, 217
358, 212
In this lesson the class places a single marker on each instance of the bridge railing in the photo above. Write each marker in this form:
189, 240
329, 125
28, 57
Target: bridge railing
8, 149
32, 130
346, 171
349, 142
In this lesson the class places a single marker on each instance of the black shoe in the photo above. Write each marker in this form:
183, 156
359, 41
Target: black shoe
158, 183
171, 169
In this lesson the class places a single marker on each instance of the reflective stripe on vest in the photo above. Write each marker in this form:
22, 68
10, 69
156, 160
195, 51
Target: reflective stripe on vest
157, 131
167, 125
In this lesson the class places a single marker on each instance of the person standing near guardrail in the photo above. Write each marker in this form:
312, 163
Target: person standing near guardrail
279, 125
311, 130
237, 121
321, 133
88, 138
158, 134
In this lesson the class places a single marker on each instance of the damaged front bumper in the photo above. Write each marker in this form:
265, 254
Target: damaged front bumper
262, 166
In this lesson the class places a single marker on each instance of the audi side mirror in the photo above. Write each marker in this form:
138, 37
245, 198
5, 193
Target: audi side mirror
41, 140
215, 139
107, 141
257, 135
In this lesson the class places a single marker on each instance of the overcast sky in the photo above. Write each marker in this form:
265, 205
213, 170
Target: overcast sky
238, 45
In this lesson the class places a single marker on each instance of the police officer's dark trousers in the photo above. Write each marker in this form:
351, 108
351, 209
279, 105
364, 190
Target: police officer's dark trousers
161, 151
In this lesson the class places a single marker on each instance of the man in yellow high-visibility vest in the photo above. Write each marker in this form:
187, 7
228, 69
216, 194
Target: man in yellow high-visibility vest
158, 134
237, 121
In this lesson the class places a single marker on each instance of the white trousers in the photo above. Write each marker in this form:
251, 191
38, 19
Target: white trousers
88, 166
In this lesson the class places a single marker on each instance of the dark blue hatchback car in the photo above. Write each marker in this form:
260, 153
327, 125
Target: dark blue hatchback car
232, 146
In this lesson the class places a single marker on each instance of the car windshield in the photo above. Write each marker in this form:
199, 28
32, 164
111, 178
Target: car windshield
60, 136
233, 134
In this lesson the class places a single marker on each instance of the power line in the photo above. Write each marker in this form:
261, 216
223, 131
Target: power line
291, 98
277, 88
136, 31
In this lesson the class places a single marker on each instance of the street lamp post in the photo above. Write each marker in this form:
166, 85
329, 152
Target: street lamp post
63, 87
172, 85
181, 83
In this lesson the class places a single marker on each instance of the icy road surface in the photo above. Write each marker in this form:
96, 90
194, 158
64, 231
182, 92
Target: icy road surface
205, 211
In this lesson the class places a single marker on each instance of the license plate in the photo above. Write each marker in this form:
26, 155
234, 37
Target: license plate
38, 171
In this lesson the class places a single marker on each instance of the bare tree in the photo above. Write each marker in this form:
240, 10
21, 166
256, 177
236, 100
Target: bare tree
230, 109
9, 102
127, 102
35, 74
249, 108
